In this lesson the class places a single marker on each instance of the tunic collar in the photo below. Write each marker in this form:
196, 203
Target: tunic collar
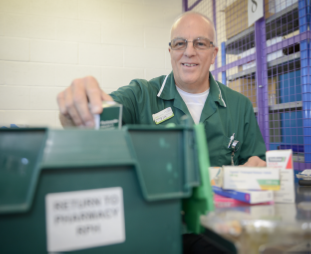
168, 89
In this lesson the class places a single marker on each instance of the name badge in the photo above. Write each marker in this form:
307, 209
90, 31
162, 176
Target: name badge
163, 115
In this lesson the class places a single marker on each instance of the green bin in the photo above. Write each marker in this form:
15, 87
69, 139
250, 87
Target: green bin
109, 191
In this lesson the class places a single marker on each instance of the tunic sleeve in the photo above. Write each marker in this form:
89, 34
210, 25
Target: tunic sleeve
127, 96
254, 144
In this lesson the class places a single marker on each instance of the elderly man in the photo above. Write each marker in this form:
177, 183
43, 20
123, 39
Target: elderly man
189, 89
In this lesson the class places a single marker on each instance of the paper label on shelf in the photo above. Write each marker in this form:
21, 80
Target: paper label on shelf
84, 219
255, 11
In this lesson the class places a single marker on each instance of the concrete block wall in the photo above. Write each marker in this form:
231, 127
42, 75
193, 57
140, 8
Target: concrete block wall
45, 44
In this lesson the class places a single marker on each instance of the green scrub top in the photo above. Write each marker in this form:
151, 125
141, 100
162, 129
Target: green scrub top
225, 112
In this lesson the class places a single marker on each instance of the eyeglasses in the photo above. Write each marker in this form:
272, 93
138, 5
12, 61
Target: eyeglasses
199, 43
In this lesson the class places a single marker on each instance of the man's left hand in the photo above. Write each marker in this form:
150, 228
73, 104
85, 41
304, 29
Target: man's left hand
255, 161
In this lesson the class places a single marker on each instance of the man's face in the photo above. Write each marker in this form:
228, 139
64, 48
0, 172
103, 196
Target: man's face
191, 66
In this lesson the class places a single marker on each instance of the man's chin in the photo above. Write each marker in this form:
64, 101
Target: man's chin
189, 81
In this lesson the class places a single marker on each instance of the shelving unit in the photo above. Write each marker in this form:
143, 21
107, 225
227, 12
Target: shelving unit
283, 22
246, 37
293, 60
280, 23
286, 106
278, 45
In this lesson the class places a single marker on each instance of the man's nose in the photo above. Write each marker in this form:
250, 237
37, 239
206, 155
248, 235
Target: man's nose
189, 50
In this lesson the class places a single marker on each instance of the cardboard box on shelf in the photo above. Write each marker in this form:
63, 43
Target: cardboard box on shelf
272, 90
237, 16
247, 87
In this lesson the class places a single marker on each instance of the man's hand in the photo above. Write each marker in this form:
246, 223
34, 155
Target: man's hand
255, 161
74, 102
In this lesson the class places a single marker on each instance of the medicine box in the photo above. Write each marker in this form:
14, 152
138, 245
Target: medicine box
216, 176
250, 197
111, 117
283, 161
250, 178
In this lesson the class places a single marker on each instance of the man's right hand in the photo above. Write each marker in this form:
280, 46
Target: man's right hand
74, 102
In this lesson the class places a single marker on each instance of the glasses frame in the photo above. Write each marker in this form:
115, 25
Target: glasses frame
211, 44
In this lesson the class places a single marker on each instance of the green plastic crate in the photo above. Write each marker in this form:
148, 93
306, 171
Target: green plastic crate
156, 170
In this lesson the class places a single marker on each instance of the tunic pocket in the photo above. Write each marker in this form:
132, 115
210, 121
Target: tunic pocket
226, 153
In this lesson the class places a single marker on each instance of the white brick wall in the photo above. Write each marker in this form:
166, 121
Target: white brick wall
29, 117
53, 51
44, 45
78, 30
14, 49
2, 73
101, 54
14, 97
64, 74
2, 26
113, 79
26, 74
123, 34
17, 25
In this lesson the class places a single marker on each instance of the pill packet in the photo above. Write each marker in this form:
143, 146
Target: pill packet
110, 118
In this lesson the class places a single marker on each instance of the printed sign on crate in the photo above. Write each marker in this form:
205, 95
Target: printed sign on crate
84, 219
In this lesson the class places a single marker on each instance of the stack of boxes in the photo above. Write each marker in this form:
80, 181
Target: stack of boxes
254, 185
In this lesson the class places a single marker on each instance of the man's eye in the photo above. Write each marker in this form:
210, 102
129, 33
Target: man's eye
180, 43
201, 44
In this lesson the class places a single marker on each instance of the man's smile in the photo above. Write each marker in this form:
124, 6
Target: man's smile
189, 64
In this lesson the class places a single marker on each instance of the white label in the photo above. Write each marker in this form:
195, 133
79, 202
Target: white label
163, 115
84, 219
255, 11
97, 121
250, 178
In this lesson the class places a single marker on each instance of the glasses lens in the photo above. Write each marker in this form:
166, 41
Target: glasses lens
178, 43
202, 43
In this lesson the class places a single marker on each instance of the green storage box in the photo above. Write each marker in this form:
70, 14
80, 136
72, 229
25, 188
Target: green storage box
112, 191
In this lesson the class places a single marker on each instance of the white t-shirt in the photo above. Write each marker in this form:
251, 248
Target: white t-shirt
195, 102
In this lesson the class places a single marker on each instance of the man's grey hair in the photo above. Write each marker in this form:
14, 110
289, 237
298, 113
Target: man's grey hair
203, 16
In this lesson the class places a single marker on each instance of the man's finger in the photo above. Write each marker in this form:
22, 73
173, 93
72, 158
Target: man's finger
80, 101
93, 93
106, 97
70, 108
61, 103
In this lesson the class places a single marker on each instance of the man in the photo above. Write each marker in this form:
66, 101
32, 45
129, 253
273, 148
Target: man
190, 89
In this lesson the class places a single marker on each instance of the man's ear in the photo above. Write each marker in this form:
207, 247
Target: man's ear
215, 51
169, 50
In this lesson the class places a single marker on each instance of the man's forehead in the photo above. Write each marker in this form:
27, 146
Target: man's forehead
192, 24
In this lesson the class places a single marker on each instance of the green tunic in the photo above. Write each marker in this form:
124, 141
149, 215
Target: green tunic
225, 112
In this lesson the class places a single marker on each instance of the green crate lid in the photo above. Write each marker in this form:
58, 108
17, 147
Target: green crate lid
169, 162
